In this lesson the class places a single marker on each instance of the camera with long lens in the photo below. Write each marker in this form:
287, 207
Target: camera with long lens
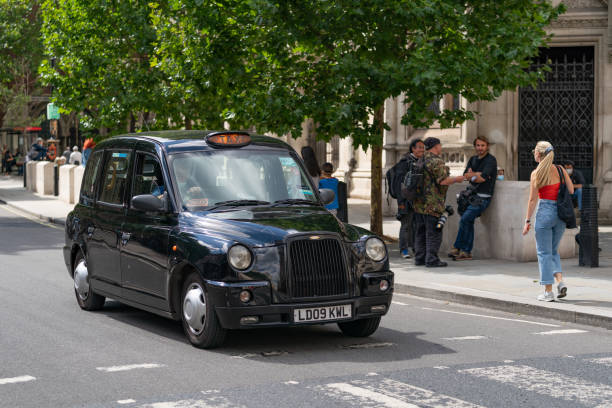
448, 211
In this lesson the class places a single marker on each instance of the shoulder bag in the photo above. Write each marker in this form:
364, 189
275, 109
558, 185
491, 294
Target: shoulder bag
565, 207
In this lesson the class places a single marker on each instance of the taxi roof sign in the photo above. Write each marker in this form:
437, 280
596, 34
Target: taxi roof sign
228, 139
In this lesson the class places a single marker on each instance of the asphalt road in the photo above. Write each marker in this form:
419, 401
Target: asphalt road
426, 353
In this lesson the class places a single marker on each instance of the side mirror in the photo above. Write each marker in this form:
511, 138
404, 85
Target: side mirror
327, 195
148, 202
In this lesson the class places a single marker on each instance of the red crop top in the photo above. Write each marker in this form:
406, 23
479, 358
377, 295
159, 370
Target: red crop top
549, 192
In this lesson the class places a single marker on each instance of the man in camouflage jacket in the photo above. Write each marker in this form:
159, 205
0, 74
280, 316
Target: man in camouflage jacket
429, 205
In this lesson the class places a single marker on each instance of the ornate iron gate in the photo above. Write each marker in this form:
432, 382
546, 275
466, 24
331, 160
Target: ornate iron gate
560, 110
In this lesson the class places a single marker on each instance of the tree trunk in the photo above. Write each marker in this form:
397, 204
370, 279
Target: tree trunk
187, 123
132, 123
376, 225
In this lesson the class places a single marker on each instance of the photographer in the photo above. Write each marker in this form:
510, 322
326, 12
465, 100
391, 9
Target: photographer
481, 171
429, 206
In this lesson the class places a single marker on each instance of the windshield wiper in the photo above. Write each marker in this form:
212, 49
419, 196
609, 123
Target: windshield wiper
236, 203
295, 201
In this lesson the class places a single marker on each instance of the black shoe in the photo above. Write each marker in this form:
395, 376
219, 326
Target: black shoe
439, 264
419, 263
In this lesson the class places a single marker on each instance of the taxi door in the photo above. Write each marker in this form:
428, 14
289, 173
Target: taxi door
106, 220
144, 248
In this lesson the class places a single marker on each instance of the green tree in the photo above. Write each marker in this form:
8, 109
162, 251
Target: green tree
98, 59
20, 51
336, 62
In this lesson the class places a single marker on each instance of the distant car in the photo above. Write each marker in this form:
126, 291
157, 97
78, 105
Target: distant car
222, 230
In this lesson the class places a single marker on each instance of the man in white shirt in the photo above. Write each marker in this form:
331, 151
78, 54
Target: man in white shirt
75, 156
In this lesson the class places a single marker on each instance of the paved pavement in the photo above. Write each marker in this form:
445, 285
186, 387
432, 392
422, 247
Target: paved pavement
491, 283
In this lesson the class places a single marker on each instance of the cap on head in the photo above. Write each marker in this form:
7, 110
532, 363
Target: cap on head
431, 142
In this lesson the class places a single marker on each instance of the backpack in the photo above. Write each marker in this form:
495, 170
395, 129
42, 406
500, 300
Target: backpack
412, 183
395, 176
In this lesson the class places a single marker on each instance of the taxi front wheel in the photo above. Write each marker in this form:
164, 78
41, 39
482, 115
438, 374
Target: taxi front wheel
200, 322
361, 327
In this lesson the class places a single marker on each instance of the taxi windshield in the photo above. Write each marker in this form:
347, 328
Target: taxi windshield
214, 178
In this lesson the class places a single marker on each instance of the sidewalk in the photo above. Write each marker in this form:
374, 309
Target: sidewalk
495, 284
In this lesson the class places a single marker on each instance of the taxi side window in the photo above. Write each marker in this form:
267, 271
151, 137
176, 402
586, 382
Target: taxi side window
114, 177
88, 189
148, 178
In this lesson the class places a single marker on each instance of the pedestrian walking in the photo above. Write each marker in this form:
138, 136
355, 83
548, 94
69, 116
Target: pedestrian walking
429, 205
481, 171
75, 157
544, 184
328, 181
87, 149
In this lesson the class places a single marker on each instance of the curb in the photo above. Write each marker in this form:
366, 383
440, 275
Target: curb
517, 307
57, 221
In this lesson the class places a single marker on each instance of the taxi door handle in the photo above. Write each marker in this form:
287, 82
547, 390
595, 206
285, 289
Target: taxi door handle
125, 237
90, 231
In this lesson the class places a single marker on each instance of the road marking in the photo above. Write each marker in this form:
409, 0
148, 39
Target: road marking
215, 402
605, 361
508, 361
465, 338
247, 355
291, 382
547, 383
400, 303
367, 345
491, 317
126, 401
568, 331
114, 369
392, 393
20, 379
363, 393
372, 374
441, 367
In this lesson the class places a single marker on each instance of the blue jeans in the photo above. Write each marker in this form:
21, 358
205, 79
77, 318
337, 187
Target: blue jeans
549, 229
465, 235
578, 196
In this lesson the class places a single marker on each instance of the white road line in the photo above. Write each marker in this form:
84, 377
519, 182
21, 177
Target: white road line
20, 379
126, 401
363, 393
368, 345
547, 383
491, 317
568, 331
114, 369
465, 338
441, 367
400, 303
210, 402
291, 382
392, 393
605, 361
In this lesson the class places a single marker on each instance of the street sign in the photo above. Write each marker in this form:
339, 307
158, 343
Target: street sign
52, 111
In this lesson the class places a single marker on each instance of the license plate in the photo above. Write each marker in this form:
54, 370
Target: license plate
323, 313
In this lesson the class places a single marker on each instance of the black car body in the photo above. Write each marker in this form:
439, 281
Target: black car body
236, 238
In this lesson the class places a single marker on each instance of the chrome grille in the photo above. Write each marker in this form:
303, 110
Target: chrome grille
316, 268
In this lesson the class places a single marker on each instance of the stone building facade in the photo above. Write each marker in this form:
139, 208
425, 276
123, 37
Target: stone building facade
572, 108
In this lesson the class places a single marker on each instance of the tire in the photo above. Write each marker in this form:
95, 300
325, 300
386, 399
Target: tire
361, 327
198, 316
86, 298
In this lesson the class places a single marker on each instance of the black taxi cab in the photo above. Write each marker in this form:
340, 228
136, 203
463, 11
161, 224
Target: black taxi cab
221, 230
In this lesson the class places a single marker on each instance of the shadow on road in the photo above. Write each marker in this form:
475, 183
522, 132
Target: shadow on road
291, 345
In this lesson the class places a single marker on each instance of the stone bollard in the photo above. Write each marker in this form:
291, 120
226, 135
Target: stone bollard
78, 178
31, 174
66, 183
44, 177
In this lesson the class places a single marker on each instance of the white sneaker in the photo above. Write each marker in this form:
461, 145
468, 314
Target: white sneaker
562, 290
547, 297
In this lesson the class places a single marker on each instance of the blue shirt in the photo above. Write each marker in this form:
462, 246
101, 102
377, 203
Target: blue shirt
332, 184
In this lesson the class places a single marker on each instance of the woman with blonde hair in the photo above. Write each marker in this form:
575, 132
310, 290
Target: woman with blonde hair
544, 184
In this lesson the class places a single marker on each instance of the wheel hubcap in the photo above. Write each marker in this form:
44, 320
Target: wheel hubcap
81, 280
194, 308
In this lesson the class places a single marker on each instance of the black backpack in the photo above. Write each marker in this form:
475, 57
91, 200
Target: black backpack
395, 176
412, 183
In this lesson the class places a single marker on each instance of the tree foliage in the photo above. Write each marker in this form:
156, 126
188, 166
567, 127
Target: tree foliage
20, 53
98, 59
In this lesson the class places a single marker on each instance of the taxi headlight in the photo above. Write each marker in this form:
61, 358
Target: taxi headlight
239, 257
375, 249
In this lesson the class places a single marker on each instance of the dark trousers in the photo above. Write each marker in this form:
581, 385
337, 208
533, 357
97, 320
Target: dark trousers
465, 235
427, 239
406, 233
